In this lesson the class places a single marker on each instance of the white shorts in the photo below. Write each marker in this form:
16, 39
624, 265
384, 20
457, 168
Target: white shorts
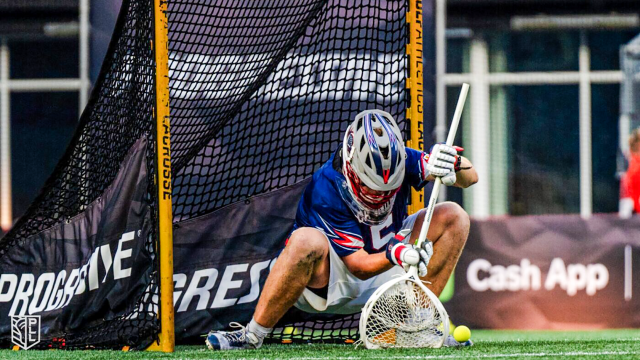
346, 294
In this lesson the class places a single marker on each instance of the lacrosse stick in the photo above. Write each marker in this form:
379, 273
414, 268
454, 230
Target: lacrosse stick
404, 313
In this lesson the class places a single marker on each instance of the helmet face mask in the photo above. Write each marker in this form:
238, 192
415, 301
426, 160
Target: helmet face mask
370, 198
373, 159
362, 212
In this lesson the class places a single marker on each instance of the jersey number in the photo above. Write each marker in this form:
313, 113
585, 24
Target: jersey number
381, 234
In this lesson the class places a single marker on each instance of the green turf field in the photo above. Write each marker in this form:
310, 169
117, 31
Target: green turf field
609, 344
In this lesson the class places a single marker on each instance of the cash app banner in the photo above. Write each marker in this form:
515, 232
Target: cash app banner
549, 272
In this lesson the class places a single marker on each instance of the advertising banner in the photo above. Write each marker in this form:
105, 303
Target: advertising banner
86, 270
549, 272
222, 259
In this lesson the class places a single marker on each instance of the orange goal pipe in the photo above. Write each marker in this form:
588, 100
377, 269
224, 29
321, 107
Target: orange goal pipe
163, 177
415, 85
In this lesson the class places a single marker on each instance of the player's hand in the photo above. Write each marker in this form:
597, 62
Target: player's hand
425, 252
406, 255
442, 162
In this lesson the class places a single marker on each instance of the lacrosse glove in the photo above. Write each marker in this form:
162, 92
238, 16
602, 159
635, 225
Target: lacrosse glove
443, 162
406, 255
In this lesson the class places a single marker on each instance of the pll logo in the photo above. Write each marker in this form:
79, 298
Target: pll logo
25, 330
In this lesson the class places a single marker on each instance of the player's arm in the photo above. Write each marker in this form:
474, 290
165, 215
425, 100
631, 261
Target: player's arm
364, 265
466, 175
442, 161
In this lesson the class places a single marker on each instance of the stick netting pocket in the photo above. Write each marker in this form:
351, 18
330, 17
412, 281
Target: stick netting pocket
405, 314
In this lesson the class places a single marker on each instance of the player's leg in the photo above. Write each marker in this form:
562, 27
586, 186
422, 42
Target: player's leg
448, 231
304, 262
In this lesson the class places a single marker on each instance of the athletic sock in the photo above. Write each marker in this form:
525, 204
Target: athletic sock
258, 330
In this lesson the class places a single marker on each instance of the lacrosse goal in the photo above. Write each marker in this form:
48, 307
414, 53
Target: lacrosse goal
257, 96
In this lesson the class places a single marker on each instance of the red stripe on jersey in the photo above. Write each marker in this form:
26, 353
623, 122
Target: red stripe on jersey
349, 241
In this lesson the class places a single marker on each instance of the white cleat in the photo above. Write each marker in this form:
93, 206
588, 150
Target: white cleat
451, 342
233, 340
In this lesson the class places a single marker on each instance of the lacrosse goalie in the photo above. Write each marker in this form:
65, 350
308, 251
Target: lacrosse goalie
352, 233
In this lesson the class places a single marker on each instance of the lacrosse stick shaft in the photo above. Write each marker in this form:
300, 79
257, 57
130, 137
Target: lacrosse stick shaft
436, 186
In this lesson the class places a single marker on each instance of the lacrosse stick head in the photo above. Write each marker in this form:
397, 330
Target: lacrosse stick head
403, 313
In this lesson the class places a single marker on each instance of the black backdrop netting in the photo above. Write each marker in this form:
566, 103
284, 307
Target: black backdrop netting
261, 96
261, 92
119, 112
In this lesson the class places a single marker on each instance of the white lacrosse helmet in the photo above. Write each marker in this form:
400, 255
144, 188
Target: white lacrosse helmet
373, 163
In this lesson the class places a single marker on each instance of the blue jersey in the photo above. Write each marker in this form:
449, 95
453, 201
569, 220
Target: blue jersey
323, 208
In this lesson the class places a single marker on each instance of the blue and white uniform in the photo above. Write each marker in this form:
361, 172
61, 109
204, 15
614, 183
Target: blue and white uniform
358, 201
322, 207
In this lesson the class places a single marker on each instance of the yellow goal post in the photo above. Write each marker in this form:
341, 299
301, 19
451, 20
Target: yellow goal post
414, 115
415, 85
162, 137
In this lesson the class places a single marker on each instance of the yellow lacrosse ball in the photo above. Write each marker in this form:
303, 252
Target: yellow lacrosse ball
461, 333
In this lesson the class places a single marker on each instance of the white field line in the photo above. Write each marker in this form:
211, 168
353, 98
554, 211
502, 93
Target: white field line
469, 356
487, 356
